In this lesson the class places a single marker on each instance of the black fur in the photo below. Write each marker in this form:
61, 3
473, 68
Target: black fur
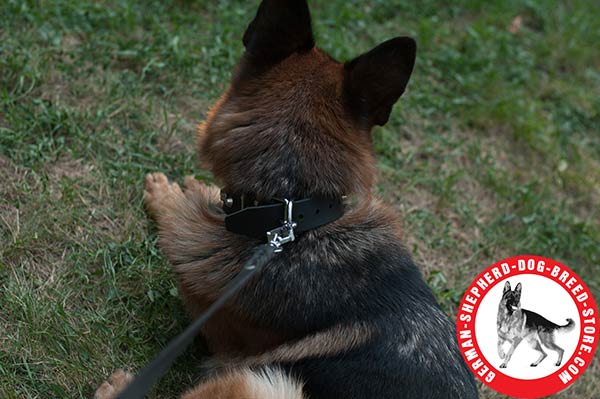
375, 80
539, 322
279, 29
413, 352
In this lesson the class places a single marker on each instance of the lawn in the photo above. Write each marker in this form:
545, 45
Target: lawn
493, 151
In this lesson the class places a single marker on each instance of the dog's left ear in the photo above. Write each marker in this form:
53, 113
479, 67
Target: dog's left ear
280, 28
375, 80
518, 290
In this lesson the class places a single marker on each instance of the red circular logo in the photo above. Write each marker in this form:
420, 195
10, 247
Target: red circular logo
528, 326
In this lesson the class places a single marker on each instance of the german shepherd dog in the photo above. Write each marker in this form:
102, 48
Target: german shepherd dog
516, 324
343, 312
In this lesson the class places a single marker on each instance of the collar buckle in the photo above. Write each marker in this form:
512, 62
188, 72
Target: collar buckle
284, 234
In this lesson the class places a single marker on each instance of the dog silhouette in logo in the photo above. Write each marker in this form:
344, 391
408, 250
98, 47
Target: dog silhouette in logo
516, 324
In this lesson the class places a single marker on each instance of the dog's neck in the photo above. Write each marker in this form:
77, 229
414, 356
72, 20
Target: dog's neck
250, 216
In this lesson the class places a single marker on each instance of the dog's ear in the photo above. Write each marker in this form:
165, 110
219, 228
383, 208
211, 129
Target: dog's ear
518, 290
280, 28
506, 287
374, 81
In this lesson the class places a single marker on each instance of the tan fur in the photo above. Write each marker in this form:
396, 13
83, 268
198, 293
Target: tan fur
204, 255
315, 80
268, 383
331, 342
247, 384
326, 343
115, 384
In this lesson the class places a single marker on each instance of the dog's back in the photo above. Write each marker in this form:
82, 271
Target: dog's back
402, 345
537, 322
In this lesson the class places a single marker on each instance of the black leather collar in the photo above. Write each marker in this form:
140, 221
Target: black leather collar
252, 218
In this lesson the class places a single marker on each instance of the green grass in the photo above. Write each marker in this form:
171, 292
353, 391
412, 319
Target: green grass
493, 151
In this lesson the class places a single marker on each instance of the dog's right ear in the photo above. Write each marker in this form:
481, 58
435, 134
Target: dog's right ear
280, 28
506, 287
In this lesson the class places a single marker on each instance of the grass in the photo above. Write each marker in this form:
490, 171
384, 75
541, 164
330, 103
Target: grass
493, 151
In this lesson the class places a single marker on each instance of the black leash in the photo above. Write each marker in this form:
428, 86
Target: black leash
142, 383
276, 237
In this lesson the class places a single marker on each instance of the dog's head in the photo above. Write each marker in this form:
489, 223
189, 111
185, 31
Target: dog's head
511, 299
294, 122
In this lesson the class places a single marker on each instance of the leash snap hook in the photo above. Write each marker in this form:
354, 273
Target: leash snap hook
284, 234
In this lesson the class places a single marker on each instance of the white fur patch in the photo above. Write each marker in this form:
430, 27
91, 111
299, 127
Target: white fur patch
272, 383
268, 383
